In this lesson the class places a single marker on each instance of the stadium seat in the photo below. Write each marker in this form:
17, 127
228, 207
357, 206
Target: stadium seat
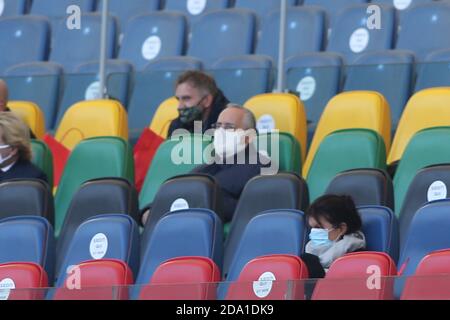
113, 236
153, 35
31, 114
366, 186
433, 72
344, 150
190, 232
13, 8
94, 198
380, 227
91, 159
306, 31
38, 82
387, 72
104, 279
221, 34
339, 285
145, 99
27, 37
431, 279
357, 109
184, 278
281, 271
333, 8
163, 117
27, 279
262, 193
28, 239
425, 22
315, 78
26, 197
351, 35
51, 8
242, 77
263, 7
43, 159
280, 111
426, 109
402, 6
73, 47
427, 147
271, 232
194, 10
81, 121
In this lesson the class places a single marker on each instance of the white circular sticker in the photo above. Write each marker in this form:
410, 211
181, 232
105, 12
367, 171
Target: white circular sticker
266, 123
306, 87
151, 47
196, 7
402, 4
179, 204
437, 191
98, 246
2, 6
6, 285
93, 91
359, 40
263, 286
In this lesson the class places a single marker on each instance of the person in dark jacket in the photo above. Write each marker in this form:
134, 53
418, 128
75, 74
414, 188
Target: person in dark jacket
15, 150
199, 100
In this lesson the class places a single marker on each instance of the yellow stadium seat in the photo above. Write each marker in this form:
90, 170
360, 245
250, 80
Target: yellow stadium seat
31, 114
281, 111
352, 110
166, 113
95, 118
427, 108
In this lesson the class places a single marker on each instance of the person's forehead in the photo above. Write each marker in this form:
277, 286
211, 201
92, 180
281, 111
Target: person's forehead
186, 89
230, 115
321, 221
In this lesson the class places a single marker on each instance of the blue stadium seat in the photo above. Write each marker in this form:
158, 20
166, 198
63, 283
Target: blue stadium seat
145, 98
316, 78
434, 71
113, 236
242, 77
263, 7
23, 39
221, 34
402, 6
51, 8
153, 35
27, 239
351, 36
380, 227
423, 29
13, 8
195, 9
387, 72
333, 7
73, 47
38, 82
306, 32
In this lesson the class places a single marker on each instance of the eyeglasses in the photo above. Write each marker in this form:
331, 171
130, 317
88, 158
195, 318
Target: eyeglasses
224, 125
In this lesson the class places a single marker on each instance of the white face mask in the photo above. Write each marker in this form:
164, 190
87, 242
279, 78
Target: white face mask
3, 159
227, 143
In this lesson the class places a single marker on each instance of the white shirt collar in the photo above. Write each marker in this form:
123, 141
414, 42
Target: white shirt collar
7, 168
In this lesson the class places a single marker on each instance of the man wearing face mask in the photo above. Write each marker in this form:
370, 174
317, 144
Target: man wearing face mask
199, 100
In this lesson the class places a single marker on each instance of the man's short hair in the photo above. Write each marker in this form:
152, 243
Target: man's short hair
249, 121
198, 80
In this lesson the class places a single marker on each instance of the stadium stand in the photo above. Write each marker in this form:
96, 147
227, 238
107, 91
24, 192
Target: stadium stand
43, 159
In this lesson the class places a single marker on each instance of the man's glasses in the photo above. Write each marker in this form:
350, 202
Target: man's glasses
224, 125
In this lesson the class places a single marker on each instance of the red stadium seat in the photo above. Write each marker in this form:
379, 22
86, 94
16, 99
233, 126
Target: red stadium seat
358, 276
99, 280
22, 275
431, 280
266, 278
184, 278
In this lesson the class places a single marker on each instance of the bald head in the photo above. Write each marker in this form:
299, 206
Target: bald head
3, 95
238, 116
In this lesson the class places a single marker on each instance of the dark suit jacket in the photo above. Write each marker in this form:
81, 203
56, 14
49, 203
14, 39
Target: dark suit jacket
23, 169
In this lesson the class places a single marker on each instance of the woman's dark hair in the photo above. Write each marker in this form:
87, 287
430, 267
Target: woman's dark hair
336, 210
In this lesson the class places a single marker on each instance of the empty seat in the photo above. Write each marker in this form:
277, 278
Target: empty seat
194, 10
13, 8
263, 7
89, 119
221, 34
31, 114
365, 186
27, 279
58, 9
344, 150
387, 72
92, 159
163, 117
73, 47
153, 35
433, 72
184, 278
38, 82
262, 193
333, 8
358, 109
104, 279
402, 6
280, 111
349, 278
425, 22
25, 39
43, 159
281, 271
28, 239
315, 78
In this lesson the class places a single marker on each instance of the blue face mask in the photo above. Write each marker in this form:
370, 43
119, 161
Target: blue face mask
319, 237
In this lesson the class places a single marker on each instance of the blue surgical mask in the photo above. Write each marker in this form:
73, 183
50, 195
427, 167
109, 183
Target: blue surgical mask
319, 237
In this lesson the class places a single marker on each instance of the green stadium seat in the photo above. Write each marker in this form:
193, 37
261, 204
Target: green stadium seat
43, 159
